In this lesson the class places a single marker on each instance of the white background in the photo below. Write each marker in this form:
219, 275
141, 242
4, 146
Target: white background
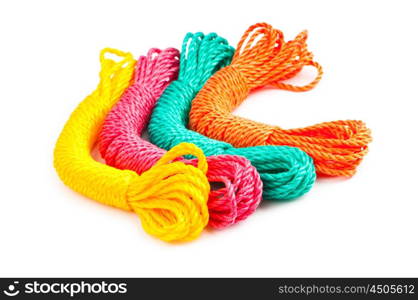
363, 226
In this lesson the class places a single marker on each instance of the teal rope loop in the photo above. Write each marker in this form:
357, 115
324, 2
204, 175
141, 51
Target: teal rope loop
286, 172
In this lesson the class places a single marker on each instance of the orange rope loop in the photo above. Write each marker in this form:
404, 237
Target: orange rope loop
264, 58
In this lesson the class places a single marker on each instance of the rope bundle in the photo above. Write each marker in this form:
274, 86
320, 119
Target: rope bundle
264, 58
121, 145
286, 172
170, 198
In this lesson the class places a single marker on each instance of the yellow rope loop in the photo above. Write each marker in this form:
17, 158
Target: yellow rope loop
170, 198
184, 149
112, 70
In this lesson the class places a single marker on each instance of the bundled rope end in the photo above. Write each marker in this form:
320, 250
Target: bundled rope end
171, 197
241, 190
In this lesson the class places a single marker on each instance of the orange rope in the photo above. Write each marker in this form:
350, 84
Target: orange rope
263, 58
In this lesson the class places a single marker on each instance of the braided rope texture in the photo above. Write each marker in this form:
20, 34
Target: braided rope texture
121, 145
264, 58
170, 198
286, 172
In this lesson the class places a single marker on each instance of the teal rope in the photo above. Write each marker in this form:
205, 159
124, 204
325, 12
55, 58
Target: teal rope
286, 172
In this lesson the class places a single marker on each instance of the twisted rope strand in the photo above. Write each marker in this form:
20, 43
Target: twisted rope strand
169, 198
286, 172
121, 145
264, 58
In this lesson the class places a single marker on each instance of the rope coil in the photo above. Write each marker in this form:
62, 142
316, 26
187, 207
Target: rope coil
170, 198
264, 58
286, 172
121, 145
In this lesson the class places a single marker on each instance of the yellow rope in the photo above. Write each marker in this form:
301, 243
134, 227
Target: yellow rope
170, 198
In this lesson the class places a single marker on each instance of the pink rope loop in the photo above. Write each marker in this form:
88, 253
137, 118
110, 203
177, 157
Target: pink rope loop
121, 145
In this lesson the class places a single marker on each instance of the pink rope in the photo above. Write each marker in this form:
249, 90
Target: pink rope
121, 145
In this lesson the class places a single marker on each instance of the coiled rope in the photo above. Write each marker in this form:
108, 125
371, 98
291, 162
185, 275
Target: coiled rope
170, 198
121, 145
264, 58
286, 172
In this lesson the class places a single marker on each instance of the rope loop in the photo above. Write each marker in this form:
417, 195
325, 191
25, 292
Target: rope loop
264, 58
171, 197
201, 56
